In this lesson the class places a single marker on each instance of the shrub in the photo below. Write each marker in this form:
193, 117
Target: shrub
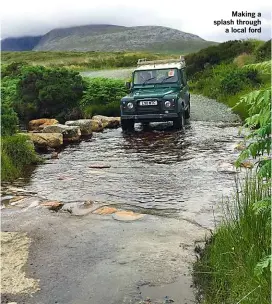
264, 51
262, 67
259, 125
13, 69
224, 52
225, 79
237, 79
9, 90
103, 96
44, 92
17, 153
9, 120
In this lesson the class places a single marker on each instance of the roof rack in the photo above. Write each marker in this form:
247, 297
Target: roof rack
143, 61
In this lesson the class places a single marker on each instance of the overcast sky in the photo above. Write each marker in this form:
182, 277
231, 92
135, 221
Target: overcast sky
28, 17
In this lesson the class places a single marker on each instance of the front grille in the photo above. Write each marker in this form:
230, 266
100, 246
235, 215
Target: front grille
148, 109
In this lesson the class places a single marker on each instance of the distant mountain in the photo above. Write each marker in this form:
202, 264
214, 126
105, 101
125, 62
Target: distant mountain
26, 43
106, 37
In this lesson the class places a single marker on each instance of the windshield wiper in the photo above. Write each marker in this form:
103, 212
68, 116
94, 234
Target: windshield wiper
148, 80
166, 79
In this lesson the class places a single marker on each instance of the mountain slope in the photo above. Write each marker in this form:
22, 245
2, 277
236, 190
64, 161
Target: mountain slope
26, 43
104, 37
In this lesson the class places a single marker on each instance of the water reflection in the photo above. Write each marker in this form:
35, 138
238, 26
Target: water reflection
159, 144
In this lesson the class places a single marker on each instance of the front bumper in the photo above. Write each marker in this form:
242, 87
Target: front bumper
150, 117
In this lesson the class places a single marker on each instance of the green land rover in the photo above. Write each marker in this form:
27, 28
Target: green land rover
158, 92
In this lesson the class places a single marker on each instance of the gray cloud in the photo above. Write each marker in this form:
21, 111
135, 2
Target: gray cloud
30, 17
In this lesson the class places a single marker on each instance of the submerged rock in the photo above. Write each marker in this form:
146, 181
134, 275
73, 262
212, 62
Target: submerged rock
99, 166
247, 164
79, 209
52, 205
70, 133
45, 140
54, 155
226, 168
26, 202
85, 125
240, 147
108, 122
39, 124
105, 210
127, 216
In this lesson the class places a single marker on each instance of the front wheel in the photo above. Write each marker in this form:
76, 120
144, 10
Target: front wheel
188, 111
127, 124
179, 122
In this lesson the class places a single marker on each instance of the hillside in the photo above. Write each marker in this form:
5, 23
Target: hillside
104, 37
26, 43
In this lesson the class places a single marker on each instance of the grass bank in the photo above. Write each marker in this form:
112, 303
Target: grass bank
80, 61
233, 268
17, 153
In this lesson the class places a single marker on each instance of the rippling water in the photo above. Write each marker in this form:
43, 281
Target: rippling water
155, 170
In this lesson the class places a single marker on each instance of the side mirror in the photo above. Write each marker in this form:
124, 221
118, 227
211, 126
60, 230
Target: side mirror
128, 85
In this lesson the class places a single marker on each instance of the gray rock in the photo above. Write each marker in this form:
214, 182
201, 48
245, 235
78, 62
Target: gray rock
85, 125
79, 209
108, 122
6, 199
70, 133
52, 140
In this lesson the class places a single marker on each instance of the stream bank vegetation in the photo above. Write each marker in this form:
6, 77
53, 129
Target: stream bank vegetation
32, 92
230, 70
235, 265
17, 154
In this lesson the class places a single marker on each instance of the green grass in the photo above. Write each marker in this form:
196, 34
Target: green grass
80, 60
227, 83
227, 271
17, 153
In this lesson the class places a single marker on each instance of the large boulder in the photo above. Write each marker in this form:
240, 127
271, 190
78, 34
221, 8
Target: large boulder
44, 140
39, 124
70, 133
97, 125
85, 125
108, 122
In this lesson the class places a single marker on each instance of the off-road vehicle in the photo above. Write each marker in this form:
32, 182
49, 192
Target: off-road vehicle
158, 92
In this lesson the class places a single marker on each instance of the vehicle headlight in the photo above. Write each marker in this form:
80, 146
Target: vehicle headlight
130, 105
167, 104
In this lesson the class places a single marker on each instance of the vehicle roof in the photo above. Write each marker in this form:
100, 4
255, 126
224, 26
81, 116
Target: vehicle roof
172, 65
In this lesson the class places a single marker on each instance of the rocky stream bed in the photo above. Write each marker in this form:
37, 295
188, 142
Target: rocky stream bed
115, 218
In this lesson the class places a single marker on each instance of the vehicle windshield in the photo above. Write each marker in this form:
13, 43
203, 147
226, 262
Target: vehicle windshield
155, 76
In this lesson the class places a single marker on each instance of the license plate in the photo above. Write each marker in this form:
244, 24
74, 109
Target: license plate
148, 103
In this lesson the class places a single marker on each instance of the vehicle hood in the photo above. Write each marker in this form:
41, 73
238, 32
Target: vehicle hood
151, 93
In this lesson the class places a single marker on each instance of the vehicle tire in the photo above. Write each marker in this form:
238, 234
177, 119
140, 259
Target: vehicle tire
127, 124
179, 122
145, 125
188, 111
